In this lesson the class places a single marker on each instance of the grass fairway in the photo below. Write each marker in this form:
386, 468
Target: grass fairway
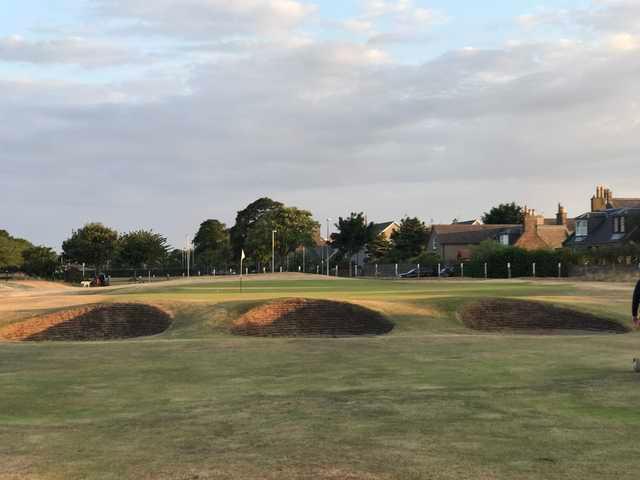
431, 400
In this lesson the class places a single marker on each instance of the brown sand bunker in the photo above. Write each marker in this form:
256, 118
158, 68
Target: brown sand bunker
518, 315
308, 318
91, 322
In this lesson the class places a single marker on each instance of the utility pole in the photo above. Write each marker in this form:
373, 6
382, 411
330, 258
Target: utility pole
187, 252
273, 251
328, 271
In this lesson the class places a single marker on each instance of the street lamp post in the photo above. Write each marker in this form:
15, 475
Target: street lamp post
273, 251
328, 271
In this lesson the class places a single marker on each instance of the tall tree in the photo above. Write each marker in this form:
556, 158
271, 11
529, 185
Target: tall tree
245, 219
410, 240
295, 228
378, 249
11, 250
142, 249
212, 245
40, 261
353, 234
93, 244
504, 214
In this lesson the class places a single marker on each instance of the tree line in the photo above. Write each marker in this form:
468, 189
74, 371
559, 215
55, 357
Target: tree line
263, 230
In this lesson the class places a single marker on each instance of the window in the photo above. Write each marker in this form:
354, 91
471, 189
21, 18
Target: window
582, 228
619, 225
504, 239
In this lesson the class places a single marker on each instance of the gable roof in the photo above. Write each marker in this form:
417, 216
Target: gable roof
624, 203
553, 235
459, 234
379, 228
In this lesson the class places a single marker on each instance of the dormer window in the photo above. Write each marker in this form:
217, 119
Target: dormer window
582, 228
504, 239
620, 225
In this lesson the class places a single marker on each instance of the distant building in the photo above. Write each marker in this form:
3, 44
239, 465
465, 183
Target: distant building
612, 222
466, 222
386, 229
614, 227
604, 200
456, 242
540, 234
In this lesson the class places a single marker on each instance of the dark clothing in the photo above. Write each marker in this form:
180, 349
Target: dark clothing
636, 300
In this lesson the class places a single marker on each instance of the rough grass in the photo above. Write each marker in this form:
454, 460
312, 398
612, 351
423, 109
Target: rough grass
432, 400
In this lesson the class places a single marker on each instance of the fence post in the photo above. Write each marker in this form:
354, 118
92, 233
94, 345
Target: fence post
462, 270
396, 269
509, 270
439, 271
356, 271
336, 270
418, 270
486, 271
376, 270
534, 269
560, 270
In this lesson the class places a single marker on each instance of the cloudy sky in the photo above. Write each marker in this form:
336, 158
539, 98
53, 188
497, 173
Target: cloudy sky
161, 114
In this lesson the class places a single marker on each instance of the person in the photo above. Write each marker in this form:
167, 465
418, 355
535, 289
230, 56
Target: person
636, 305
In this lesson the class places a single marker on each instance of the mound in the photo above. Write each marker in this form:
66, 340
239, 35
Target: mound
308, 318
93, 322
517, 315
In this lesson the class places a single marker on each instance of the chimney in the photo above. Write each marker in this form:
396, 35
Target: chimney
599, 202
562, 217
530, 221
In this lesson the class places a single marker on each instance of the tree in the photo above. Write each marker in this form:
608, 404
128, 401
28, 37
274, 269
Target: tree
353, 235
245, 219
93, 244
212, 245
410, 240
378, 249
40, 261
295, 228
504, 214
11, 250
142, 249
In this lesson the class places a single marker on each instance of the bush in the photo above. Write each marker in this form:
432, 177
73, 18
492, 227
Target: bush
497, 257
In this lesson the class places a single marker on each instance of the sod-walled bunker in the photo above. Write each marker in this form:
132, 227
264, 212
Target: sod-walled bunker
298, 317
495, 315
91, 323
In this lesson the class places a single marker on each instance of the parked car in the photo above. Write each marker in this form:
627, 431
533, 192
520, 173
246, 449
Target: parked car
101, 280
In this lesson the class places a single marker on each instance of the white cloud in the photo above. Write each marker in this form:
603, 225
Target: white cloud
205, 18
624, 42
394, 21
65, 50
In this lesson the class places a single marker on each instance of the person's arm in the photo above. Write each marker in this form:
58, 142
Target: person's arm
636, 303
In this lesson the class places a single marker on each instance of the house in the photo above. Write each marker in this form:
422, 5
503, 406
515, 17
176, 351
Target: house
542, 234
604, 200
475, 221
613, 227
612, 222
455, 242
386, 229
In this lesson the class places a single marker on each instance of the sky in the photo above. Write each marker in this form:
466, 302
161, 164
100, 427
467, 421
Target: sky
159, 115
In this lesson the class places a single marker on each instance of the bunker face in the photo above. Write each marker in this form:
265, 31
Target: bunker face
517, 315
311, 318
93, 322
